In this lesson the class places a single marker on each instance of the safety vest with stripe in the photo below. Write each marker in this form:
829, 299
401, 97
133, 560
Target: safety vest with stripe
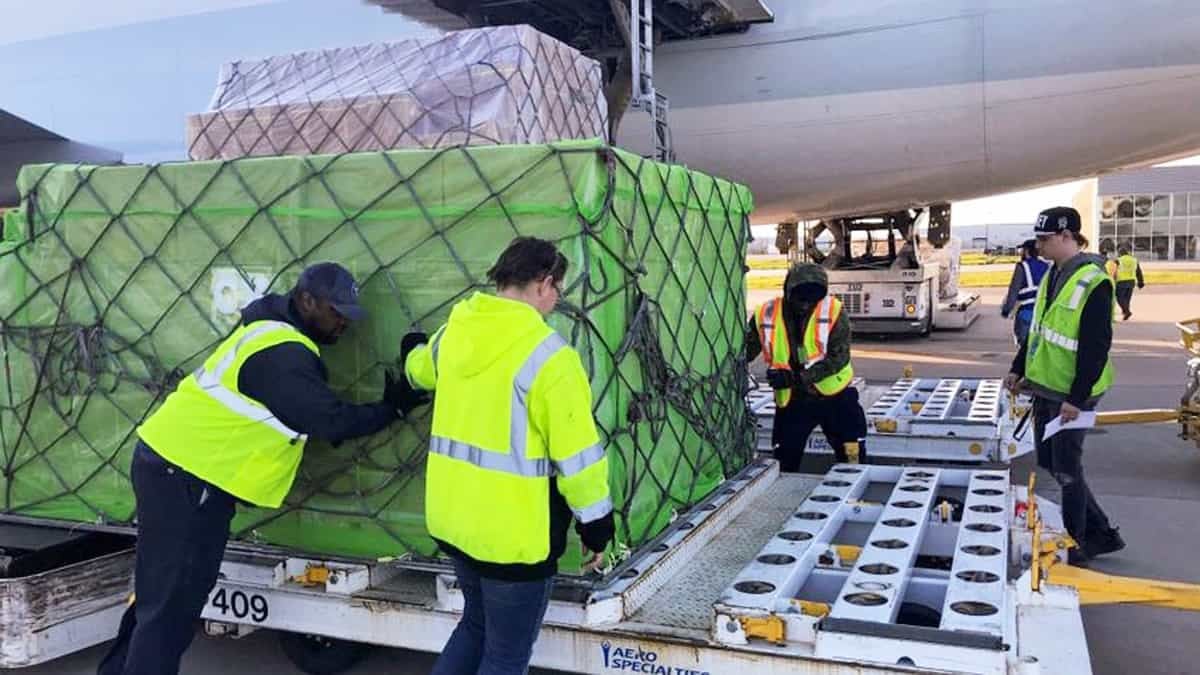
777, 347
214, 432
1127, 268
512, 409
1033, 271
1050, 357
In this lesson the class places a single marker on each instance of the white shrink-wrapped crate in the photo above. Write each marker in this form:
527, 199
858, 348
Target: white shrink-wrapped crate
486, 86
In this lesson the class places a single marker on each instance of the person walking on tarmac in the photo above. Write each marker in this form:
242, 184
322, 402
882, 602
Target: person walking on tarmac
1065, 364
1110, 266
513, 454
804, 337
1128, 272
1022, 290
234, 431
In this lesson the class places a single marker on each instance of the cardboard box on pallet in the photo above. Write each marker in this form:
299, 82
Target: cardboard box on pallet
488, 86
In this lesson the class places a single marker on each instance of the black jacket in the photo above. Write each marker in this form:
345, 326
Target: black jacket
292, 383
1095, 334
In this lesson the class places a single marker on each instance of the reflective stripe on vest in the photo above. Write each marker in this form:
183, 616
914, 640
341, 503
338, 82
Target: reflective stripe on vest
210, 383
594, 511
516, 461
433, 348
1081, 287
820, 331
1059, 339
776, 346
1028, 293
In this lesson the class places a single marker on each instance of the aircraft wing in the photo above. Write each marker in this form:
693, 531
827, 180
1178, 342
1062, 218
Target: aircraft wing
23, 142
678, 19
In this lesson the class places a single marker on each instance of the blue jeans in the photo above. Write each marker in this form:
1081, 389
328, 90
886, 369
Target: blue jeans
1021, 327
500, 623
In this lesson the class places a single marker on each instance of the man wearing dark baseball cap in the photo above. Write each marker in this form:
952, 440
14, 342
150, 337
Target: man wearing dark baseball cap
330, 281
1064, 363
234, 430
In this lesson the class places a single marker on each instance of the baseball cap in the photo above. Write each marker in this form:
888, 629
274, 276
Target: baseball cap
330, 281
1057, 219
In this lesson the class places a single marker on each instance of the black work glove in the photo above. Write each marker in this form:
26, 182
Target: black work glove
410, 342
597, 534
780, 378
399, 394
1141, 286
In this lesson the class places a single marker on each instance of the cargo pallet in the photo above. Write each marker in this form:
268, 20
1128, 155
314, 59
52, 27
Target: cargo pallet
948, 420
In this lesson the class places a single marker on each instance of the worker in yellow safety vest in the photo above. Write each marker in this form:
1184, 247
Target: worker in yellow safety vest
804, 337
1110, 266
1128, 272
234, 430
513, 455
1065, 365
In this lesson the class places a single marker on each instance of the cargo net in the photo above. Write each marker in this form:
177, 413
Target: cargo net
116, 282
499, 85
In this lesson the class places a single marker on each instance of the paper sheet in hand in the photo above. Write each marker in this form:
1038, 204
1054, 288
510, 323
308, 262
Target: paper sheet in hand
1086, 420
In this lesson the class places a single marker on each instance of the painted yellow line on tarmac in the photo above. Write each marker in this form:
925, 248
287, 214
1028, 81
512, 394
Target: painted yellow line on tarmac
910, 357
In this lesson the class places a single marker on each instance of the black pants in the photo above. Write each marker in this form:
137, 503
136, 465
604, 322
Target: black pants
1062, 456
840, 417
1125, 295
183, 524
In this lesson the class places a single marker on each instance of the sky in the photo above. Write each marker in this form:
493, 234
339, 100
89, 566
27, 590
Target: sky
48, 18
170, 43
131, 85
1023, 207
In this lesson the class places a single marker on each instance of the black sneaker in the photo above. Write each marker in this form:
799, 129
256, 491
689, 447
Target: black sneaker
1109, 542
1077, 558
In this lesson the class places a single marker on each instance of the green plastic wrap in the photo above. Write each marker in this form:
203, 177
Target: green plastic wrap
116, 281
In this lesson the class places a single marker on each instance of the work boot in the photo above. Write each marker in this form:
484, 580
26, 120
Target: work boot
1109, 542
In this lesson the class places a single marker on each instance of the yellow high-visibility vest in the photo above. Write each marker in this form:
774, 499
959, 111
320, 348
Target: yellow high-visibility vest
1127, 268
776, 346
1050, 356
210, 429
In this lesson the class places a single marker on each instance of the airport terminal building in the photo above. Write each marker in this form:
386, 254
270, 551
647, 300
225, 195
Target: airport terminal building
1156, 211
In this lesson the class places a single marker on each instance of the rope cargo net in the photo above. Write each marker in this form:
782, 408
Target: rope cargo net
115, 282
487, 86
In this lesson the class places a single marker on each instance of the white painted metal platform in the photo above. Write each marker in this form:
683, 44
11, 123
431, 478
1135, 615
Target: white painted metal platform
929, 420
669, 608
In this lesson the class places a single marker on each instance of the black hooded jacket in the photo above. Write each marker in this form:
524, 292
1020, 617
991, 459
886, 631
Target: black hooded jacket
293, 383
